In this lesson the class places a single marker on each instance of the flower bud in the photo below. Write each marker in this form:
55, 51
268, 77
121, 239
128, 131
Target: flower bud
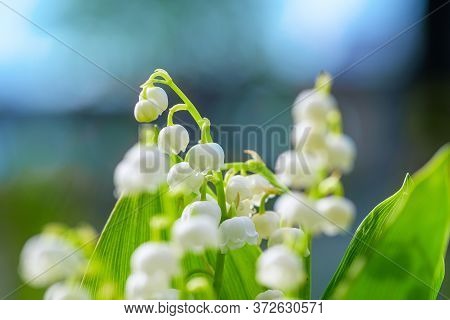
295, 209
63, 291
195, 234
153, 257
206, 156
142, 286
341, 152
143, 168
46, 259
270, 295
339, 213
279, 268
208, 209
173, 139
158, 95
313, 105
297, 170
308, 137
236, 232
238, 188
266, 223
184, 180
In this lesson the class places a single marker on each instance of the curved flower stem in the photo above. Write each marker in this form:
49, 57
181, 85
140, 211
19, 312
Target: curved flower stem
220, 191
305, 290
262, 203
218, 274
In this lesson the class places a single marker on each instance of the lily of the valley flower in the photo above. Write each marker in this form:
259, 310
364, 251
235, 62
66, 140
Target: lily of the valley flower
259, 187
237, 232
150, 108
195, 234
182, 179
270, 295
339, 213
206, 156
266, 223
207, 209
313, 105
173, 139
341, 152
142, 286
65, 291
279, 268
293, 238
297, 170
46, 259
238, 188
143, 168
153, 257
296, 209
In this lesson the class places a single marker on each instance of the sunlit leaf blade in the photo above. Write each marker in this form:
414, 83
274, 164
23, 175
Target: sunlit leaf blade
398, 250
239, 281
126, 228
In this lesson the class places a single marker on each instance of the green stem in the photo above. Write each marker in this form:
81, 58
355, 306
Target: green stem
203, 190
220, 191
262, 204
218, 274
305, 290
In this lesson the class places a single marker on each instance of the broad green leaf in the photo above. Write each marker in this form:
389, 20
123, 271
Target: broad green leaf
398, 250
130, 225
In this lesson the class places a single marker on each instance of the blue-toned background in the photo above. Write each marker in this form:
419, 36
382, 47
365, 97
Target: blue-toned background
70, 70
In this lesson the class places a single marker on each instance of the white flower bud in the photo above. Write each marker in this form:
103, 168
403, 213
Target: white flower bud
236, 232
259, 187
279, 268
173, 139
297, 170
266, 223
308, 137
46, 259
295, 209
341, 152
142, 286
182, 179
144, 168
206, 156
150, 108
154, 257
63, 291
339, 214
313, 105
208, 209
238, 188
270, 295
195, 234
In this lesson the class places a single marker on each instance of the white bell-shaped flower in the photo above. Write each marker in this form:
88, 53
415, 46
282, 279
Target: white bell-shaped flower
293, 238
308, 137
297, 170
270, 295
245, 208
46, 259
341, 152
150, 108
279, 268
238, 188
339, 213
195, 234
206, 156
142, 286
295, 209
153, 257
184, 180
313, 105
259, 187
64, 291
207, 209
173, 139
237, 232
143, 168
266, 223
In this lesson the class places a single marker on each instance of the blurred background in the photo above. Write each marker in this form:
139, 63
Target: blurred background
70, 72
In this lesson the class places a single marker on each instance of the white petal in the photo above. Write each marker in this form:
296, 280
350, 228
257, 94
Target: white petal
154, 257
206, 156
237, 232
173, 139
208, 209
195, 234
63, 291
182, 179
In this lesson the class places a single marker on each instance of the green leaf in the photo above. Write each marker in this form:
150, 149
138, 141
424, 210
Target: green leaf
127, 227
398, 250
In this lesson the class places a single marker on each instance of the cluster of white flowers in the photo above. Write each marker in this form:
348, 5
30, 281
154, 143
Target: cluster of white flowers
50, 261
